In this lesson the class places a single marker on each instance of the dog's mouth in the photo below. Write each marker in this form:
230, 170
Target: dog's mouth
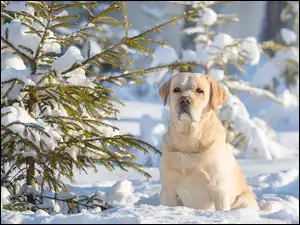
185, 114
184, 111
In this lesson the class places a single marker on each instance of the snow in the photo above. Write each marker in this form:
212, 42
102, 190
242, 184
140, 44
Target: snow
164, 55
77, 77
95, 48
262, 142
161, 55
121, 193
29, 153
11, 73
41, 212
281, 117
216, 75
151, 131
4, 196
17, 36
202, 54
274, 68
73, 152
19, 7
63, 13
202, 38
259, 145
276, 186
11, 60
209, 17
193, 30
286, 115
244, 86
232, 106
50, 203
189, 56
18, 114
50, 45
221, 40
250, 46
64, 62
288, 35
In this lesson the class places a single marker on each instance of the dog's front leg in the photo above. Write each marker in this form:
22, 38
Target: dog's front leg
220, 197
168, 196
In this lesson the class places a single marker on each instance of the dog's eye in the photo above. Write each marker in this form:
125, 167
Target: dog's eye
177, 89
199, 90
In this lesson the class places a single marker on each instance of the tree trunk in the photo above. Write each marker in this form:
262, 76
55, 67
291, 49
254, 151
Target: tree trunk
30, 179
272, 20
188, 40
272, 23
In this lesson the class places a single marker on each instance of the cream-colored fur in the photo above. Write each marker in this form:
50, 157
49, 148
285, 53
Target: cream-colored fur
197, 170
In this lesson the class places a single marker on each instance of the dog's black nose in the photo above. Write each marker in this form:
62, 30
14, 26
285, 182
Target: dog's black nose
185, 100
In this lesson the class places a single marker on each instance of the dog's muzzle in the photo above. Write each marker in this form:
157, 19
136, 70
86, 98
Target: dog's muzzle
185, 100
184, 105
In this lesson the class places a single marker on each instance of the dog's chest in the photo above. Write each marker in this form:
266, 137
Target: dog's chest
193, 190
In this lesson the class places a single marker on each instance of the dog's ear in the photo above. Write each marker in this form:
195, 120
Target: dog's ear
164, 91
217, 94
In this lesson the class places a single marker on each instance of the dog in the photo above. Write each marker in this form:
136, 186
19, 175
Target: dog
196, 168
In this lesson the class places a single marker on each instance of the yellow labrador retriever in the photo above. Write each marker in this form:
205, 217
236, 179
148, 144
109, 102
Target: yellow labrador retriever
197, 170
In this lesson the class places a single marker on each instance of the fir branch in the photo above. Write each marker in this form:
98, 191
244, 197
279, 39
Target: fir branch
59, 7
26, 15
5, 15
76, 66
43, 38
127, 40
157, 27
23, 55
125, 19
139, 71
244, 86
111, 8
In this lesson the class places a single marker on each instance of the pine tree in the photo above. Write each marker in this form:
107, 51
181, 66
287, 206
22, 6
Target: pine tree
54, 106
285, 50
222, 57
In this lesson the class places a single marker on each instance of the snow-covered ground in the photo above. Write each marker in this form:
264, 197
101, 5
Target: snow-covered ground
275, 184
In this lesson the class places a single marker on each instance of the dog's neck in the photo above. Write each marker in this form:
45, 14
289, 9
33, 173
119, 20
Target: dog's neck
197, 135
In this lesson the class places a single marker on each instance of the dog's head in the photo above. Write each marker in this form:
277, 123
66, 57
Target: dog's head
191, 95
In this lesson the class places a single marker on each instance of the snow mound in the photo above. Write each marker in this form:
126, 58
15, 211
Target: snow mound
11, 60
151, 132
288, 35
152, 214
189, 56
10, 74
4, 196
17, 36
274, 68
209, 17
71, 56
121, 193
216, 75
164, 55
250, 46
222, 40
